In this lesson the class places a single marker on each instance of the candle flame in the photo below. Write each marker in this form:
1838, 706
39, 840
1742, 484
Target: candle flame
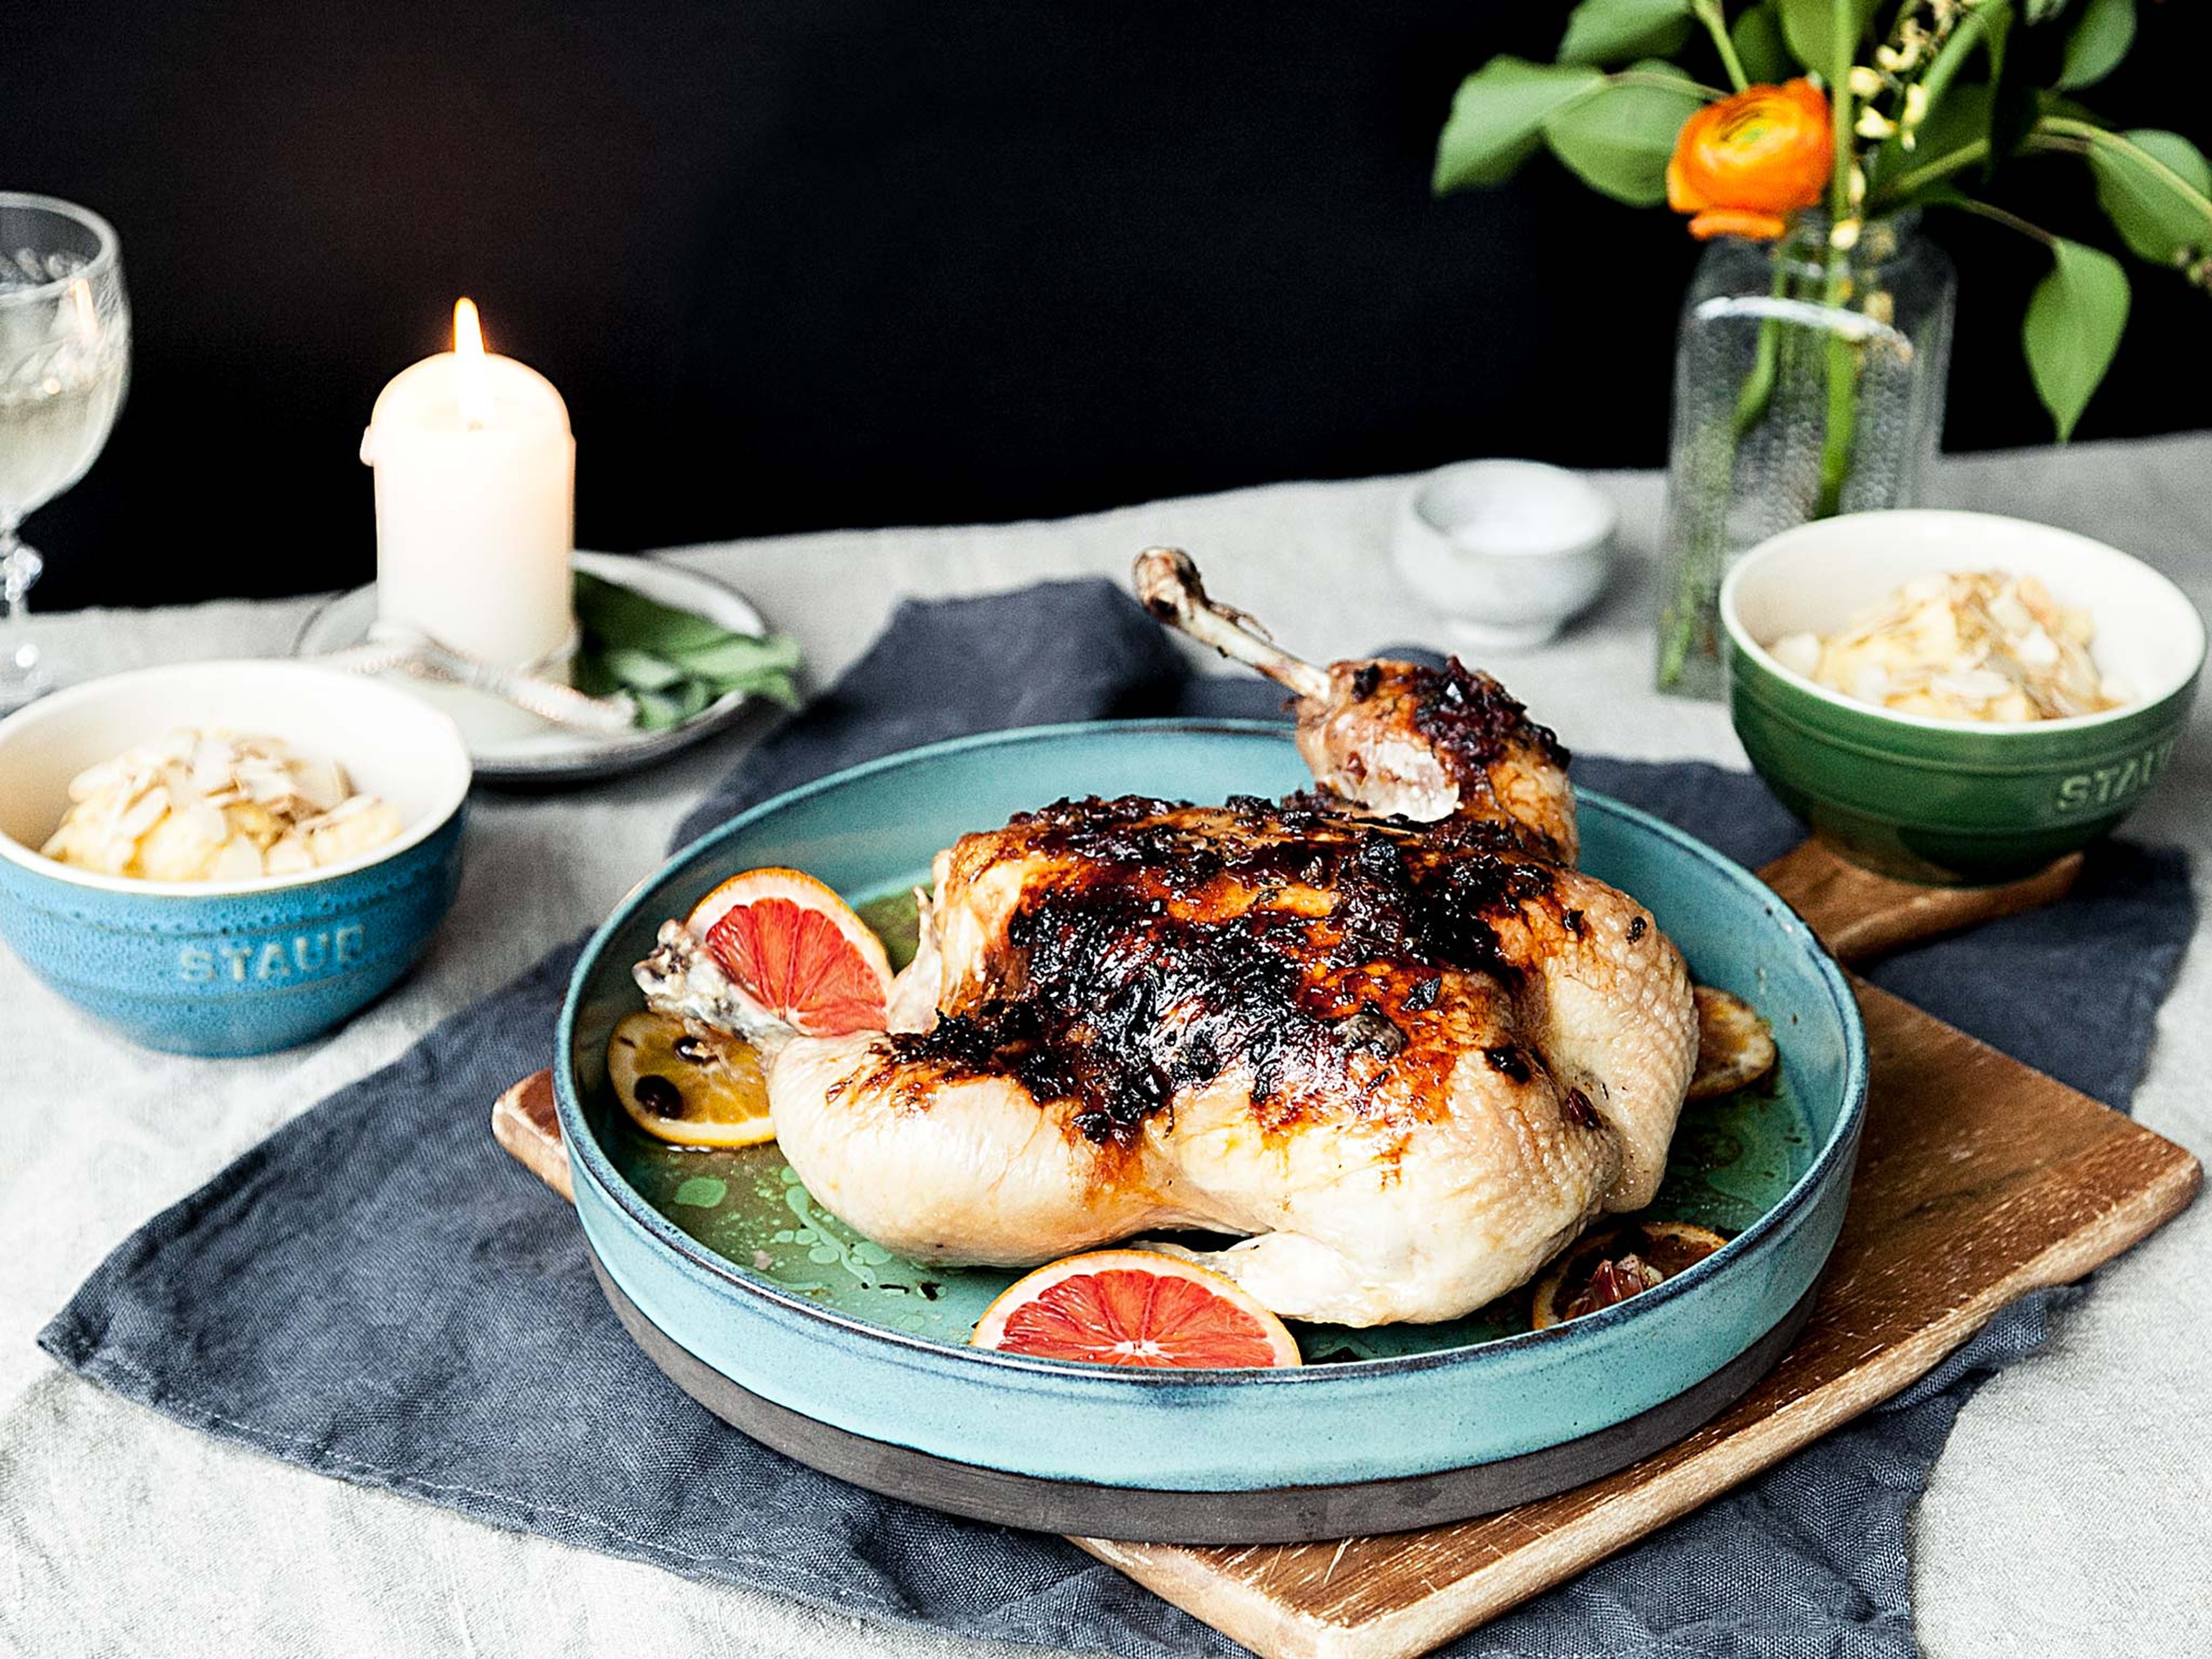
471, 386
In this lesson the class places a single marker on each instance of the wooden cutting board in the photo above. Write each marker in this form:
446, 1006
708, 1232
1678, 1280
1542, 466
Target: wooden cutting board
1978, 1181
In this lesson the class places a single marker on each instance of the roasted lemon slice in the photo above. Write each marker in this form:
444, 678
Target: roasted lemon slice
688, 1084
1736, 1045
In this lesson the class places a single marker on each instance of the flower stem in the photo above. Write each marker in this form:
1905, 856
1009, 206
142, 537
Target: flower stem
1759, 386
1709, 14
1997, 215
1843, 362
1843, 22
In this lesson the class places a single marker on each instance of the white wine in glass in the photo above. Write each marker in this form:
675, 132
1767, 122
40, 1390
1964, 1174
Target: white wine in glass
64, 364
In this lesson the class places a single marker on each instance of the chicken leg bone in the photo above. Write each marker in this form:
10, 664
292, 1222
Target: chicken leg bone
1167, 580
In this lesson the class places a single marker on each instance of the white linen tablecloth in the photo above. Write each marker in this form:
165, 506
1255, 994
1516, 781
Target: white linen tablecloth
2068, 1515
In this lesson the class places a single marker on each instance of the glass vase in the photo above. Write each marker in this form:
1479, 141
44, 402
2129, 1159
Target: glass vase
1809, 381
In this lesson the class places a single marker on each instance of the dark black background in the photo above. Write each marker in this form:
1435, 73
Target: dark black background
808, 262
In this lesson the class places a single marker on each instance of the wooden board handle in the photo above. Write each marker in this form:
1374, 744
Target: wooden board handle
1859, 915
525, 1122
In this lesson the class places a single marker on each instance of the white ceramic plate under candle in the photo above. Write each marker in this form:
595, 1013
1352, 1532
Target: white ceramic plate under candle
508, 746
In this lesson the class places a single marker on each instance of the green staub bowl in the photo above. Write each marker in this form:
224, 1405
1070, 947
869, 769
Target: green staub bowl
1949, 802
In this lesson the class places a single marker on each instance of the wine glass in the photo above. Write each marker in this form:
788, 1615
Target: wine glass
64, 362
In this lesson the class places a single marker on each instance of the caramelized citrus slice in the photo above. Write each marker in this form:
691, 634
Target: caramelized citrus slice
1615, 1263
689, 1084
1735, 1045
797, 950
1134, 1308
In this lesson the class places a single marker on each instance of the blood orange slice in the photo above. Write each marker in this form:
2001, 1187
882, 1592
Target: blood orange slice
1134, 1308
798, 949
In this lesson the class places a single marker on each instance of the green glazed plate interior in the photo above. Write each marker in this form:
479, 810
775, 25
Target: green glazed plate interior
1732, 1159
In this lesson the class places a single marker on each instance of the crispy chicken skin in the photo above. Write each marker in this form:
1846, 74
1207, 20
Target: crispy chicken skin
1384, 1031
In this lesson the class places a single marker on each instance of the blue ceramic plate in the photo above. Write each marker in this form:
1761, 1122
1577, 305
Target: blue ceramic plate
821, 1342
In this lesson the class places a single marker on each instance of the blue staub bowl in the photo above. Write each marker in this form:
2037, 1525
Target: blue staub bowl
238, 967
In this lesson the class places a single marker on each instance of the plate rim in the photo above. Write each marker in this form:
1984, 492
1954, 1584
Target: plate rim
589, 1158
1204, 1517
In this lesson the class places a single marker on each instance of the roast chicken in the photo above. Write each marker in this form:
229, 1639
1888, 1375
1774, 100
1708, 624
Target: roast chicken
1383, 1033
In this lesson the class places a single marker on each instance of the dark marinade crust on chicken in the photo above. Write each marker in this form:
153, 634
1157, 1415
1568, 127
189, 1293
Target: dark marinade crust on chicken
1295, 940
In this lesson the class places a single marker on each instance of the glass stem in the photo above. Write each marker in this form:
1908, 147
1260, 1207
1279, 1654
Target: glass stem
19, 659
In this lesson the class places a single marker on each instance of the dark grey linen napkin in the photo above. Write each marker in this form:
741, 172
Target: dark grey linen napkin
377, 1292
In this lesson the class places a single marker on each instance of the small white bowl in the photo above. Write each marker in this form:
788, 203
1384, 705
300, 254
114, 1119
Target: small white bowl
1511, 551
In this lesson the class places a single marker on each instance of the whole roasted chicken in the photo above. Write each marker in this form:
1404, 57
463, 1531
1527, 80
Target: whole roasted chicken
1384, 1031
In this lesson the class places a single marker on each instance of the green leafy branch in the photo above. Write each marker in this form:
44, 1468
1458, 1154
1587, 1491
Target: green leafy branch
1916, 125
1615, 131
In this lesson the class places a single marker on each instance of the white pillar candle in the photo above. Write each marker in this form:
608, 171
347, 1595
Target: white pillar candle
476, 474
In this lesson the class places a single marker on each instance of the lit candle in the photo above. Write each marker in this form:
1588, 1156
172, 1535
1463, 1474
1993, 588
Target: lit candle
475, 475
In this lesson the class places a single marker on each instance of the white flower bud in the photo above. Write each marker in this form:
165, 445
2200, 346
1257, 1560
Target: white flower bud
1864, 81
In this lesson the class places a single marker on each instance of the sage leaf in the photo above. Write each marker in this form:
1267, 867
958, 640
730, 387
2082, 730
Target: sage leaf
1496, 118
673, 662
2156, 189
1619, 139
657, 710
1759, 47
1808, 26
1615, 31
622, 616
2075, 319
737, 657
2100, 40
776, 688
641, 671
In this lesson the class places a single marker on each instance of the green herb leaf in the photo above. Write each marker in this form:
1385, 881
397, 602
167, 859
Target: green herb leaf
2100, 39
622, 616
672, 662
590, 675
641, 671
1756, 37
1808, 26
2156, 189
778, 689
1615, 31
2074, 320
658, 710
1498, 119
1619, 139
737, 658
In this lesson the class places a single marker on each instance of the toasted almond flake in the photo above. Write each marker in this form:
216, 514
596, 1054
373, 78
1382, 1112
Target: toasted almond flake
290, 855
238, 860
2037, 649
1971, 644
212, 804
1798, 653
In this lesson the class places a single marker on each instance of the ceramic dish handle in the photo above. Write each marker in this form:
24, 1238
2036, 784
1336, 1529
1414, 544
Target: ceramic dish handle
1859, 916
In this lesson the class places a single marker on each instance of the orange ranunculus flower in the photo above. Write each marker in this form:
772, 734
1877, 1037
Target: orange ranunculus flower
1740, 165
